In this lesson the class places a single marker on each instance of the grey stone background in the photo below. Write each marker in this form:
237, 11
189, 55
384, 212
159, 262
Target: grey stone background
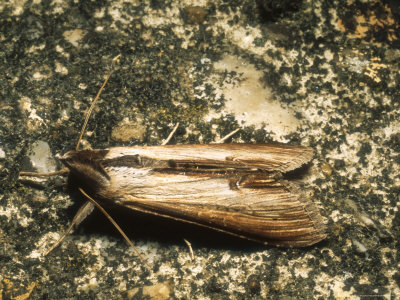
321, 73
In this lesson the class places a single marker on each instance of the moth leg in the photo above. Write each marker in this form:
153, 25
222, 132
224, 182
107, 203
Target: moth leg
190, 248
39, 179
166, 141
220, 141
81, 215
99, 207
48, 174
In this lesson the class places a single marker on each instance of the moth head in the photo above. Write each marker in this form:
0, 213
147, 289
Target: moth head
86, 169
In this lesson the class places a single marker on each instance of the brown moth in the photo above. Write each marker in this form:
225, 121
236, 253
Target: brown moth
232, 188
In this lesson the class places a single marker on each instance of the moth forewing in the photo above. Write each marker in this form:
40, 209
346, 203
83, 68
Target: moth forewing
231, 188
269, 157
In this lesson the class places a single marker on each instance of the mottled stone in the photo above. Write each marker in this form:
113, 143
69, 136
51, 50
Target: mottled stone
322, 75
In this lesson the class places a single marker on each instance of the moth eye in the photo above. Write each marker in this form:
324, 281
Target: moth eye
171, 163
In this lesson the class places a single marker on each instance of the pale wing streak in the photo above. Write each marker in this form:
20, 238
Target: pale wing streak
265, 156
153, 189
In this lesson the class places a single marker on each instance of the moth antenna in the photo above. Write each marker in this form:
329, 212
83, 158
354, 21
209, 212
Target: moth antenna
115, 225
220, 141
166, 141
89, 112
81, 215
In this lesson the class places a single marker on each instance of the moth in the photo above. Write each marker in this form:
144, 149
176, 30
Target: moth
237, 189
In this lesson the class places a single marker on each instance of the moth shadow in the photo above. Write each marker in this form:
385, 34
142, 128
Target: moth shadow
144, 227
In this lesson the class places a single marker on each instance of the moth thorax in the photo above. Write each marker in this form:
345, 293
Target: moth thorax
86, 169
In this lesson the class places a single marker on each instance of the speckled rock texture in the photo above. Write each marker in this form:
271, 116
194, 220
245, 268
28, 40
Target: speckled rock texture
325, 74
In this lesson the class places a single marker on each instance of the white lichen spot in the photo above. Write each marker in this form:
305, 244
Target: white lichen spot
355, 64
197, 269
202, 3
340, 291
359, 246
302, 271
161, 291
74, 36
334, 18
245, 37
182, 33
128, 130
336, 215
242, 37
15, 7
35, 48
158, 18
2, 153
77, 105
60, 49
37, 76
323, 284
25, 104
225, 258
41, 158
364, 279
99, 13
115, 13
14, 213
43, 244
59, 6
328, 54
61, 69
122, 286
366, 220
82, 86
91, 285
286, 80
64, 115
35, 254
